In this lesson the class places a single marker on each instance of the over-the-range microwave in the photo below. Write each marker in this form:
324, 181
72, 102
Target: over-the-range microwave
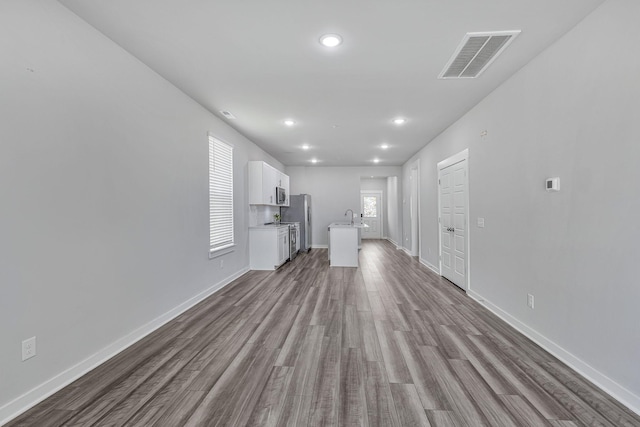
281, 196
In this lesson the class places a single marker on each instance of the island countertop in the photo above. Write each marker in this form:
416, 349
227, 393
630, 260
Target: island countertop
347, 225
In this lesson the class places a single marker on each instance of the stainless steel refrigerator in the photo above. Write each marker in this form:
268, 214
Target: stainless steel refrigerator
299, 210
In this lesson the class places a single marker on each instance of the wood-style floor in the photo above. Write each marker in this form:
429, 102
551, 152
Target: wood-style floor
387, 344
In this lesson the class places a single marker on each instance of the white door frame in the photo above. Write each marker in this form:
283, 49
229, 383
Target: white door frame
463, 155
415, 234
380, 207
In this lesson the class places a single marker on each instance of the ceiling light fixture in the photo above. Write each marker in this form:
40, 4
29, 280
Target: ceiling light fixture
399, 121
289, 122
314, 160
384, 146
376, 160
227, 114
305, 146
330, 40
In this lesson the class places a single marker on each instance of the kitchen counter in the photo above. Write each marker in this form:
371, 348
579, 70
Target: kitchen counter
269, 226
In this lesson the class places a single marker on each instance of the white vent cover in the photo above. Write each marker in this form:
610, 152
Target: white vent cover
475, 53
227, 114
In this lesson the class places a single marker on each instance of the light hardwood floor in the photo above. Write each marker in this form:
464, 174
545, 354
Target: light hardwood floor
387, 344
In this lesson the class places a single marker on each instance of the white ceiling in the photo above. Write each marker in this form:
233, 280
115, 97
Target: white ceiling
261, 61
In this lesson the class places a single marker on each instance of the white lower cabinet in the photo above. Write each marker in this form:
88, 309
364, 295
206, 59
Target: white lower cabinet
268, 247
283, 245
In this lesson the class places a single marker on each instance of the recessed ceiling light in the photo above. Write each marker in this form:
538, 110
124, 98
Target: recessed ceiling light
314, 160
399, 121
289, 122
305, 146
376, 160
330, 40
384, 146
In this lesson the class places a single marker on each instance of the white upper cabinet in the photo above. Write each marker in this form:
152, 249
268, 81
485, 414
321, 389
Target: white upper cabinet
263, 180
284, 183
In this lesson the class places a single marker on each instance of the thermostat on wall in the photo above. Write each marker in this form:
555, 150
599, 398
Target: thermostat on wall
553, 184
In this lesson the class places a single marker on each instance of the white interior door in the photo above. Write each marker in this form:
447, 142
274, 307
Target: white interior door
453, 222
371, 214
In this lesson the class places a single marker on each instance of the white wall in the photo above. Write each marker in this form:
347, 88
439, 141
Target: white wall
333, 190
377, 184
572, 112
104, 193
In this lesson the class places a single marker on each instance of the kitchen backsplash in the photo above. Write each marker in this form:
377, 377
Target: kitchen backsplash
259, 214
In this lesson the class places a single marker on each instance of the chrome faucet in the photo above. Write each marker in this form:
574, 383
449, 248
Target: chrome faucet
345, 214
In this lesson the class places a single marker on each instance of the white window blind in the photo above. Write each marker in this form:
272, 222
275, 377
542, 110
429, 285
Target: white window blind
220, 194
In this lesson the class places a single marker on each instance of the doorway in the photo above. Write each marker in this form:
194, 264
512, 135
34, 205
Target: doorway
371, 211
453, 214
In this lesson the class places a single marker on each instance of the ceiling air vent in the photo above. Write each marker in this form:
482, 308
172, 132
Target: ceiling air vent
475, 53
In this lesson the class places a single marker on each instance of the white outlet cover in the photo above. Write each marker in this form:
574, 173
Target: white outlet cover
481, 222
28, 348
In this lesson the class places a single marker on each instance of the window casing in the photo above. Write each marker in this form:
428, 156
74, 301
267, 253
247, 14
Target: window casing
220, 195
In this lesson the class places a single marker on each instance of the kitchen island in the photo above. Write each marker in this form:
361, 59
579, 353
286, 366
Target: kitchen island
344, 240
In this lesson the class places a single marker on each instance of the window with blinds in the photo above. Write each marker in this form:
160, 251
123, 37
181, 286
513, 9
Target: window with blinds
220, 195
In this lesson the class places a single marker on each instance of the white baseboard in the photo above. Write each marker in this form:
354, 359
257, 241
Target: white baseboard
394, 243
430, 266
407, 251
36, 395
615, 390
319, 246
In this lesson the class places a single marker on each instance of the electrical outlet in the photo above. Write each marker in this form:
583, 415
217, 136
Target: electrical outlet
221, 264
480, 222
530, 301
28, 348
